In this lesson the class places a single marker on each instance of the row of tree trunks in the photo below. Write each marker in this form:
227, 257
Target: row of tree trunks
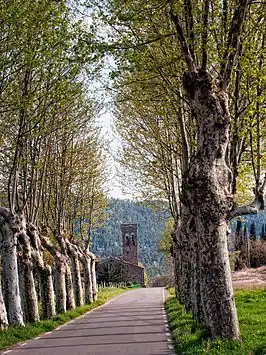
69, 293
22, 261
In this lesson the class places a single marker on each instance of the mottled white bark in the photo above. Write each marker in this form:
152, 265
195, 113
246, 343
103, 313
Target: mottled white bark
47, 289
208, 180
86, 262
196, 301
74, 253
59, 273
31, 300
10, 226
70, 299
22, 284
60, 286
208, 190
3, 314
77, 280
45, 275
93, 277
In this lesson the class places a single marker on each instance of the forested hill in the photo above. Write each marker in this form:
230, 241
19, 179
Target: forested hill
107, 240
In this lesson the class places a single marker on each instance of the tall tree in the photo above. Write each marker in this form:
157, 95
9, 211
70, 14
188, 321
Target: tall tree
192, 51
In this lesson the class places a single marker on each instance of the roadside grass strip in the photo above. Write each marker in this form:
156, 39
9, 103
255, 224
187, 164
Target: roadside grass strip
191, 338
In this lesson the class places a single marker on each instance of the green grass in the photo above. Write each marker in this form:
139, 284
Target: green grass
191, 338
15, 335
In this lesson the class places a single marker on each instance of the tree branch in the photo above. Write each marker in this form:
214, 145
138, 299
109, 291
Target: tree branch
252, 153
188, 5
182, 39
205, 35
256, 205
5, 213
233, 43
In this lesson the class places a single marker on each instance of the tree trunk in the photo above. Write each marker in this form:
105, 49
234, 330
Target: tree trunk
70, 300
3, 314
86, 262
77, 280
63, 242
31, 299
60, 286
22, 284
93, 278
9, 229
208, 190
47, 290
74, 252
30, 294
60, 271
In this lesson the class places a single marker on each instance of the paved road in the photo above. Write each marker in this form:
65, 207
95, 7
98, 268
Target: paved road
131, 324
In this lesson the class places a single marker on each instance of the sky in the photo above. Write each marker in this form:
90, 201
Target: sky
115, 190
106, 121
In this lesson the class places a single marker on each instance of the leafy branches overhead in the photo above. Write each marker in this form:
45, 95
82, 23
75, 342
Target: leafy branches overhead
153, 44
51, 146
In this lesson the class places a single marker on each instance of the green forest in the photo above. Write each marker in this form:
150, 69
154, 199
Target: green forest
107, 240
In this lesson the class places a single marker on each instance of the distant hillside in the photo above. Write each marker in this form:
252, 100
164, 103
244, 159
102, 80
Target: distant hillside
107, 240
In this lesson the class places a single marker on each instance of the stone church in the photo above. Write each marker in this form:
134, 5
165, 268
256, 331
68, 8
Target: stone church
126, 268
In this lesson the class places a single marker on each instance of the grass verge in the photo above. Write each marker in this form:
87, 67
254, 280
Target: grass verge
15, 335
190, 338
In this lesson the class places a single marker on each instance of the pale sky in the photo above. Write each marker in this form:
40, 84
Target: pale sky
106, 120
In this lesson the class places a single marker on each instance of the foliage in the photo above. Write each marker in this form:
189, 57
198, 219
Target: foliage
236, 262
53, 159
190, 338
15, 335
166, 240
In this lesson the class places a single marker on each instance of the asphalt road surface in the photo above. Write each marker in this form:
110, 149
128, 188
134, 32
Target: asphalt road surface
134, 323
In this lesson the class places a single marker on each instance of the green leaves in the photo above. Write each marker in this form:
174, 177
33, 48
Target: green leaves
53, 153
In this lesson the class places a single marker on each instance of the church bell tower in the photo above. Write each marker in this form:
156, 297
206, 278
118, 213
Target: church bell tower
130, 242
